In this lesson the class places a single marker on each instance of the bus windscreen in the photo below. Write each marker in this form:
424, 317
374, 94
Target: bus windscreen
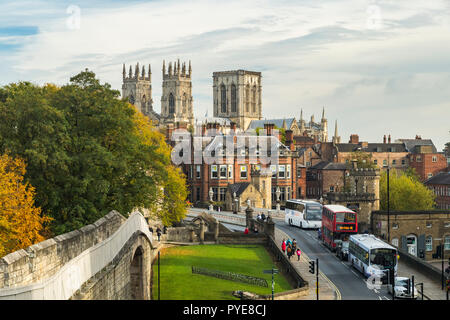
313, 212
345, 217
384, 258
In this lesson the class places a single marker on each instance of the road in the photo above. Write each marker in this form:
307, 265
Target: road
351, 284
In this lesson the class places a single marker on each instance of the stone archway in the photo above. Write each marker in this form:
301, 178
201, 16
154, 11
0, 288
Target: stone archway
137, 275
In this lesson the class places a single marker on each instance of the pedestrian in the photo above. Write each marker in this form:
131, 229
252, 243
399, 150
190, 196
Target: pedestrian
283, 246
298, 254
164, 229
150, 229
158, 232
289, 251
258, 217
255, 230
288, 242
263, 216
294, 247
246, 230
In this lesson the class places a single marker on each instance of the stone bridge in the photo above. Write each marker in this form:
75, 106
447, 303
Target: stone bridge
109, 259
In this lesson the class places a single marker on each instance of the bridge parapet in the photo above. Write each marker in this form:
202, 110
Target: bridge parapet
58, 267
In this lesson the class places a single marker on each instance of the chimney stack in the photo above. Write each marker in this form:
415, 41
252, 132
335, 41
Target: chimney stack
384, 139
354, 139
389, 139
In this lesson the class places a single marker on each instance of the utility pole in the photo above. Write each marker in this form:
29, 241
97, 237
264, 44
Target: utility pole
317, 278
388, 207
159, 284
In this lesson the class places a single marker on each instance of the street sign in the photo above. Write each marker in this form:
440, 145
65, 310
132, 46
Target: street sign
270, 271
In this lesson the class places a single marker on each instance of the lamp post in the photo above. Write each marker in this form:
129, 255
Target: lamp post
278, 192
388, 205
235, 203
211, 193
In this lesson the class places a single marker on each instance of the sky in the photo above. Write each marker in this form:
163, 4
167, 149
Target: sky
378, 67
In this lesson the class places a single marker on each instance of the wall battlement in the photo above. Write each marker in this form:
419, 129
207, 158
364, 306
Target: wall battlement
44, 259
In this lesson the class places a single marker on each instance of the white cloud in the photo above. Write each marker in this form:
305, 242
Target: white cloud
311, 54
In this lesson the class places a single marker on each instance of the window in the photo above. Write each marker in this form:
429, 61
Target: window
264, 185
243, 172
434, 159
447, 243
230, 171
308, 164
197, 195
223, 99
222, 192
247, 99
429, 224
394, 162
254, 100
288, 171
419, 158
395, 226
331, 188
430, 175
281, 172
299, 192
299, 174
403, 162
375, 161
215, 194
429, 243
233, 98
395, 242
197, 171
223, 171
214, 172
171, 103
273, 168
384, 162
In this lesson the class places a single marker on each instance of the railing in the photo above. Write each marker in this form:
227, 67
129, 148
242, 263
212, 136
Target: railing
230, 276
70, 278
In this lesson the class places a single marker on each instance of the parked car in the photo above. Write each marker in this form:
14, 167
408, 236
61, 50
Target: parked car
401, 288
342, 249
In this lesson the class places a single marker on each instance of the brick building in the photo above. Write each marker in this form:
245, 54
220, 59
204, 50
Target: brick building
424, 158
325, 177
440, 184
415, 232
288, 174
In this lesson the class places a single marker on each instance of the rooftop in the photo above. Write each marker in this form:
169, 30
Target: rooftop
440, 178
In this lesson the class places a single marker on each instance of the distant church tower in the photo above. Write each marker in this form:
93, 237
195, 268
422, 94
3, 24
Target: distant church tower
336, 139
324, 127
176, 99
237, 96
138, 89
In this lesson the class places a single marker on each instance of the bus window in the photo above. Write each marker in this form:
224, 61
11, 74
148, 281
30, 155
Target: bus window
345, 217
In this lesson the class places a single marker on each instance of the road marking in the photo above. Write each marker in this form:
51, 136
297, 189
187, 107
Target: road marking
379, 298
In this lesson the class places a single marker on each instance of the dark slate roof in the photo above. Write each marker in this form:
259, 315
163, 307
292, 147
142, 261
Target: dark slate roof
277, 122
412, 143
325, 165
238, 187
372, 147
303, 139
440, 178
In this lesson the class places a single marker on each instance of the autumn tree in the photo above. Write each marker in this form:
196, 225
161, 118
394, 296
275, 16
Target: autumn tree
21, 222
406, 193
85, 155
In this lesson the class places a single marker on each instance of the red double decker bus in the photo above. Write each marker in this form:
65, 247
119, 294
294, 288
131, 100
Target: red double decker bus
338, 223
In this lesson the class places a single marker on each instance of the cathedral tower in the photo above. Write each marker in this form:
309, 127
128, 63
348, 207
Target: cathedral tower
323, 127
137, 88
176, 99
237, 96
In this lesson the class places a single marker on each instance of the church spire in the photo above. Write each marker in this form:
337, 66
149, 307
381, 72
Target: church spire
130, 73
124, 73
164, 67
149, 72
136, 71
143, 71
284, 124
190, 69
323, 113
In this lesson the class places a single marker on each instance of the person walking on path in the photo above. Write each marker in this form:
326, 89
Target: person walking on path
289, 251
299, 253
283, 246
246, 231
158, 233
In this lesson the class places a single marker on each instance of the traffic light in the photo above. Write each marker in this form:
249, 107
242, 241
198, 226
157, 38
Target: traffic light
312, 267
448, 284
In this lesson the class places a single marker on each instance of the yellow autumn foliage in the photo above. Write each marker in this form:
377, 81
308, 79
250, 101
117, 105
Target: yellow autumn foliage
21, 223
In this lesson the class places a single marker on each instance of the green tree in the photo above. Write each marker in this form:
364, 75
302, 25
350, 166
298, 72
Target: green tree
406, 193
84, 152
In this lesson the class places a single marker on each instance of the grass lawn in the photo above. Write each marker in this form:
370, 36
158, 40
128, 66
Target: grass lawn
178, 282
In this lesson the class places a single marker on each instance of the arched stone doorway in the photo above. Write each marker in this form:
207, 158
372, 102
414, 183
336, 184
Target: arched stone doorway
137, 275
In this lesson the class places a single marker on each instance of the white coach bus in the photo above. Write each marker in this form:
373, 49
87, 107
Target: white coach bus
372, 256
303, 214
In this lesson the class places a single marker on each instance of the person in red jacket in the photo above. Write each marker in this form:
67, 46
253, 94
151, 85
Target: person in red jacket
246, 231
283, 246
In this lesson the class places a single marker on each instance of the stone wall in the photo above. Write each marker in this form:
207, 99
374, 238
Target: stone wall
115, 281
44, 259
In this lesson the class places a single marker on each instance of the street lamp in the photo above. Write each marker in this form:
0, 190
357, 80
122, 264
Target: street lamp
278, 192
211, 193
388, 206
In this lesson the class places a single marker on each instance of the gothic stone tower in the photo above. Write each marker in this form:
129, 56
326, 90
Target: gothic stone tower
237, 96
176, 99
138, 89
